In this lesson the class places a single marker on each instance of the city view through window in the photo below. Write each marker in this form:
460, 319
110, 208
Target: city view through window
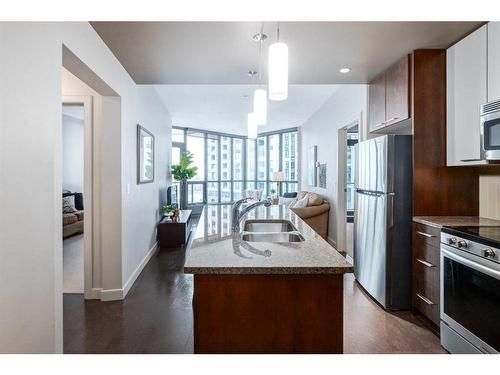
230, 164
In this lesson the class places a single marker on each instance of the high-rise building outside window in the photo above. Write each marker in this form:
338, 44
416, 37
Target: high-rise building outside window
230, 164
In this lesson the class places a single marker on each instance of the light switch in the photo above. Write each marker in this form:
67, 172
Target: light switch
128, 188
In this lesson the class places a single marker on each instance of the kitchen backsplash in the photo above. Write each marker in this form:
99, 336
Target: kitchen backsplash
489, 197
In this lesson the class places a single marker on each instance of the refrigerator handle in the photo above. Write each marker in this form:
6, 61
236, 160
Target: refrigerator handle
372, 193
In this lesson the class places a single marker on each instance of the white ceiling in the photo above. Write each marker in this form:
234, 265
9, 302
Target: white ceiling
224, 108
222, 52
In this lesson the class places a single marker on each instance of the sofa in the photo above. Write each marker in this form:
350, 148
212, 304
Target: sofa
316, 213
72, 224
72, 215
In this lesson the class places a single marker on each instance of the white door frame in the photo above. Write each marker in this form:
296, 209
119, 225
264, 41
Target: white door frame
87, 103
342, 183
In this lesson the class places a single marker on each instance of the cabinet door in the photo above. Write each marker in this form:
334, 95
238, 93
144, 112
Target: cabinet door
376, 102
466, 91
397, 89
493, 61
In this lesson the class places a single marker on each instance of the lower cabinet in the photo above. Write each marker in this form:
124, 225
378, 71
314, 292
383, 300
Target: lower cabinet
426, 244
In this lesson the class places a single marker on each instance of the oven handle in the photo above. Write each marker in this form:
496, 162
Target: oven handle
469, 263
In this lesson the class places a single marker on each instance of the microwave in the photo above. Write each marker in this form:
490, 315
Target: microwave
490, 130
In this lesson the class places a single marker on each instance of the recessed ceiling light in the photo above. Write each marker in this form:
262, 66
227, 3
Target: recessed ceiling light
251, 73
345, 70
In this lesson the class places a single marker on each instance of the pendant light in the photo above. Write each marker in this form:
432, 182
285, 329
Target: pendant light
278, 69
252, 126
260, 94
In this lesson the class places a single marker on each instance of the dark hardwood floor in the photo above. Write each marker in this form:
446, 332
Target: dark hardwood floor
156, 317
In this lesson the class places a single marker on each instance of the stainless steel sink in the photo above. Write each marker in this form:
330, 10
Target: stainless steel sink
272, 237
269, 226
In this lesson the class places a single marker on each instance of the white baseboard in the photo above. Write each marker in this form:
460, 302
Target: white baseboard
118, 294
111, 294
95, 293
138, 270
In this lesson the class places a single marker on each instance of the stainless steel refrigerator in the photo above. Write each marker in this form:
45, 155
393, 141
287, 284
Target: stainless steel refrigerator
383, 219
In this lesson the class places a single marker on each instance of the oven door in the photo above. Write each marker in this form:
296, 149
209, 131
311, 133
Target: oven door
470, 298
490, 136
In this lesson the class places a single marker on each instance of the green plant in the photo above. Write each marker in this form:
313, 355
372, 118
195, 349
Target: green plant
272, 191
168, 209
183, 170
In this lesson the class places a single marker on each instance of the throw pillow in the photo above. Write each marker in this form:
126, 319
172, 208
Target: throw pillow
79, 201
301, 203
285, 201
68, 204
315, 199
290, 195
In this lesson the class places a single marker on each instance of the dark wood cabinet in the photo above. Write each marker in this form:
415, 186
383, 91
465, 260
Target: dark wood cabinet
175, 233
280, 314
426, 243
389, 96
397, 91
376, 103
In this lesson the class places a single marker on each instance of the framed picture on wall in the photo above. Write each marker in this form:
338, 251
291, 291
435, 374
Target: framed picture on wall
145, 156
312, 156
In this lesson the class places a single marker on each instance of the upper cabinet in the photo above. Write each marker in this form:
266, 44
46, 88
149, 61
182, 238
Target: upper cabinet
466, 90
376, 103
389, 97
493, 61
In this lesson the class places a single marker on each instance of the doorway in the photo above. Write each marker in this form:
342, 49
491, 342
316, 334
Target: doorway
77, 194
348, 137
350, 173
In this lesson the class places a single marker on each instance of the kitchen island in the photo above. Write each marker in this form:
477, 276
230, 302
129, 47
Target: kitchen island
265, 297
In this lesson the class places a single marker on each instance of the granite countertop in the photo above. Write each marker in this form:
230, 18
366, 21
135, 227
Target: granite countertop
456, 221
215, 251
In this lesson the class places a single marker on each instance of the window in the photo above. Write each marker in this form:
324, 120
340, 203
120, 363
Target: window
196, 145
212, 159
177, 135
262, 164
227, 164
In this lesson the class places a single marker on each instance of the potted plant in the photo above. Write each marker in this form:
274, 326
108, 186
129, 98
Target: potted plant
168, 210
273, 193
183, 172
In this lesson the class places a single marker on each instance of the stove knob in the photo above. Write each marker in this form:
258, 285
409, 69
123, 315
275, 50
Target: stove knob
462, 244
489, 253
452, 241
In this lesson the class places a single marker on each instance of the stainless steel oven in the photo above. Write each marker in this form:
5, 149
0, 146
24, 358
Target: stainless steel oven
470, 295
490, 130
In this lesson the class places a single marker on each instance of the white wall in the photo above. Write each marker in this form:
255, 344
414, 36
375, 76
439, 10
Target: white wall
72, 134
346, 105
30, 156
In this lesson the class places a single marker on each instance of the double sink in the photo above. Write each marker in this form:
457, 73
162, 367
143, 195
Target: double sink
270, 231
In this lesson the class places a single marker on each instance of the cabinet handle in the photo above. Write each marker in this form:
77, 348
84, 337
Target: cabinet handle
380, 124
391, 119
427, 264
426, 300
425, 234
466, 160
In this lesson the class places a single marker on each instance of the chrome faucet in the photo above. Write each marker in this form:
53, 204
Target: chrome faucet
237, 215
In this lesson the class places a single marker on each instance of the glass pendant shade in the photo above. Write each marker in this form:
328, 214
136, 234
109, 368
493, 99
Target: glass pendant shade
260, 106
278, 71
252, 126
